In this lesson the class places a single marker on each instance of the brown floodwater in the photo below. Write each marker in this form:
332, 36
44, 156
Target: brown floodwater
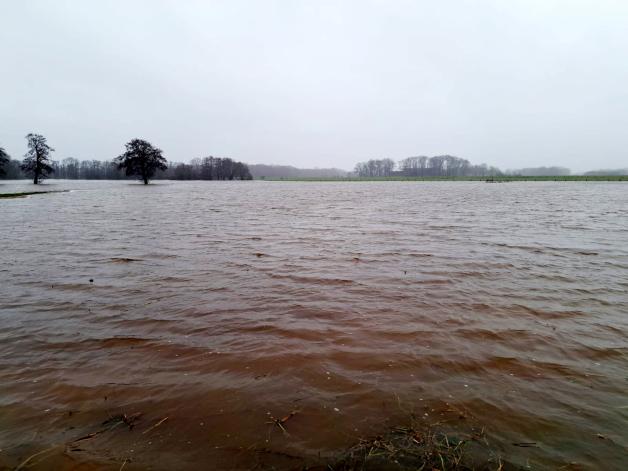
219, 305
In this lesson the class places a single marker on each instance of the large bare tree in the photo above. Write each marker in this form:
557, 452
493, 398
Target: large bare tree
142, 160
36, 161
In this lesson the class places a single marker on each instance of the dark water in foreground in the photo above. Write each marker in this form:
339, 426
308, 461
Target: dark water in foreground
216, 304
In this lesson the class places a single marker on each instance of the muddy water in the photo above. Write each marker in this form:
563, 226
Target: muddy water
221, 304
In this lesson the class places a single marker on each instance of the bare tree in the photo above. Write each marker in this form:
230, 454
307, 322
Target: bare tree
411, 166
71, 166
36, 161
375, 168
387, 167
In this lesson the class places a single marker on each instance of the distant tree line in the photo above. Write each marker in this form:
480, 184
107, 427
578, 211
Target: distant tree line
208, 168
140, 160
541, 172
287, 171
375, 168
74, 169
607, 172
143, 161
423, 166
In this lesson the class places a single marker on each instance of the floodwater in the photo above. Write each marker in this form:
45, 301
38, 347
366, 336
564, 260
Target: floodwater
221, 305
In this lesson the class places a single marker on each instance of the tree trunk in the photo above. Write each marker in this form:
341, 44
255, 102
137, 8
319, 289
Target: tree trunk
145, 181
37, 168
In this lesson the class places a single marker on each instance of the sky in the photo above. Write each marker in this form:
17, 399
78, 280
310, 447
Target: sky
510, 83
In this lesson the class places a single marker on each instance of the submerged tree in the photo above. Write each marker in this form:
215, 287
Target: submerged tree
36, 161
142, 160
4, 159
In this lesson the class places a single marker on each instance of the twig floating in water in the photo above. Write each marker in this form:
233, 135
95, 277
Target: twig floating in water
279, 422
155, 426
526, 444
23, 463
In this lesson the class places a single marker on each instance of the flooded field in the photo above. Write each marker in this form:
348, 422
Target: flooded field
212, 308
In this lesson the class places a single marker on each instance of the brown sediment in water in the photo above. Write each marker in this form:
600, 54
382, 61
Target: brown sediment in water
504, 302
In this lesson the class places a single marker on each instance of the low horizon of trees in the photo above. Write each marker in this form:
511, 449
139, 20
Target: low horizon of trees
541, 172
223, 168
424, 166
289, 171
140, 160
375, 168
214, 168
209, 168
607, 172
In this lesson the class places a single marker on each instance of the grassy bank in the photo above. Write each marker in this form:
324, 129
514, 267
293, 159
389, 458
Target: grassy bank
412, 448
570, 178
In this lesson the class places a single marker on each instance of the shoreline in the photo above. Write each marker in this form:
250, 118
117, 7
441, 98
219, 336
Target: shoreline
489, 179
24, 194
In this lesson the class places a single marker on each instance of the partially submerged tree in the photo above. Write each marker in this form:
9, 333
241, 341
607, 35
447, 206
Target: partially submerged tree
4, 159
142, 160
36, 161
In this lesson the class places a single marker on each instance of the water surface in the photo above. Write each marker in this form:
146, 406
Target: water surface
221, 304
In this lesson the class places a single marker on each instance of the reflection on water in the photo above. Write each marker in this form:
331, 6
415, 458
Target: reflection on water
219, 304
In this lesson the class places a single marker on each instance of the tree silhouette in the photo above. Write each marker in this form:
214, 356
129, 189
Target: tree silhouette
36, 161
142, 160
4, 159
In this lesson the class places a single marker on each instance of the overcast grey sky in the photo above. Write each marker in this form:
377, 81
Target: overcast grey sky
511, 83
